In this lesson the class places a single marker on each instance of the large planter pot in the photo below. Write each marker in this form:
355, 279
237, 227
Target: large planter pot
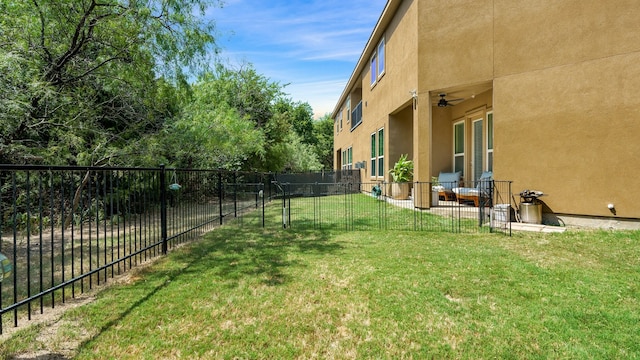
400, 191
531, 212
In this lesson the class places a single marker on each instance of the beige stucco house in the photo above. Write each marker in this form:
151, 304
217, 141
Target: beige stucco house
544, 93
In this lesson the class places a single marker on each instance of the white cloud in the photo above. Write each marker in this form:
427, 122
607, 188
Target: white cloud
311, 45
320, 94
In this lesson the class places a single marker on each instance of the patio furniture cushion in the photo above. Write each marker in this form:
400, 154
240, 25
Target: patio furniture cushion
482, 189
449, 180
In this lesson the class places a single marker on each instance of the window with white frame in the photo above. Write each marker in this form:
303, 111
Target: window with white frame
381, 58
347, 158
381, 152
377, 154
377, 63
373, 66
374, 158
458, 147
477, 148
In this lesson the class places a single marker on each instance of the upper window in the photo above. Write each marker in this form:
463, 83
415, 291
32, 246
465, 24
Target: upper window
373, 67
381, 58
377, 63
356, 116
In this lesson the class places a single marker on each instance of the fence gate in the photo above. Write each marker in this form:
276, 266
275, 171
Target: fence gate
370, 206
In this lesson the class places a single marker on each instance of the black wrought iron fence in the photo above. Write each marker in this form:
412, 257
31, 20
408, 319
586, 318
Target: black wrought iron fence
67, 229
370, 206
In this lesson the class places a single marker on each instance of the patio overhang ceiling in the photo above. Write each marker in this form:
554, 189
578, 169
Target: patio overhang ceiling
459, 93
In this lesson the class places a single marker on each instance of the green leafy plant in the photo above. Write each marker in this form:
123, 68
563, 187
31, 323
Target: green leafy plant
403, 170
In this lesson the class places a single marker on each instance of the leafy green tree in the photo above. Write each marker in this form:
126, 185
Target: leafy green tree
323, 146
300, 117
212, 134
83, 81
301, 156
254, 97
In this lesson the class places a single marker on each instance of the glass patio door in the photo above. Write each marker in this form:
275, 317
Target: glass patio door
458, 147
478, 149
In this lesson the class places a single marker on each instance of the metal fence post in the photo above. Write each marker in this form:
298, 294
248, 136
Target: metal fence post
163, 209
235, 194
220, 194
262, 189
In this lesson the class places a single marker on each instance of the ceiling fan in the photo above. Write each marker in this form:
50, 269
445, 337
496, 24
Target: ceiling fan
444, 102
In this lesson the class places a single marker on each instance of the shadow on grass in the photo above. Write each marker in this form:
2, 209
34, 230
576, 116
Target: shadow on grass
233, 253
228, 255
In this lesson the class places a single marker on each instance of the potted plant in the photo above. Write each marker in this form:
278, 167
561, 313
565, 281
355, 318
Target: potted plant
402, 174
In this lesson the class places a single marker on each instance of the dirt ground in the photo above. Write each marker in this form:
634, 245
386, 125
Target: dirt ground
51, 344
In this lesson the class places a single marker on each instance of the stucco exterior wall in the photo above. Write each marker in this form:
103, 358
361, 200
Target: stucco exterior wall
560, 130
400, 135
442, 141
533, 35
566, 104
455, 42
390, 94
455, 47
561, 79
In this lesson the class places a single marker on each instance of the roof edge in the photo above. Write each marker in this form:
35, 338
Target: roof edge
376, 34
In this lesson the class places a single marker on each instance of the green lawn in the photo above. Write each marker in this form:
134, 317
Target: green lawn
248, 292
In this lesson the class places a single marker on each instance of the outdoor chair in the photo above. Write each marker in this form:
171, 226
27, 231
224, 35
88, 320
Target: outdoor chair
447, 182
475, 194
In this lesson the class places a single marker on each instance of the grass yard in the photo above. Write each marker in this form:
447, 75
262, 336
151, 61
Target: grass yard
248, 292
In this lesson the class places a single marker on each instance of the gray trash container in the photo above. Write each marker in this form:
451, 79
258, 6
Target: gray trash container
500, 215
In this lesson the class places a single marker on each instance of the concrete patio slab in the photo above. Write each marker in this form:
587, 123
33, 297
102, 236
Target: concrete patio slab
516, 226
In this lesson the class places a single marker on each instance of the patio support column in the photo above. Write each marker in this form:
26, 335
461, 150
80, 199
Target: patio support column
422, 151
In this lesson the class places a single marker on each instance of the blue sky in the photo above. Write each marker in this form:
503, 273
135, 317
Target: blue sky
311, 45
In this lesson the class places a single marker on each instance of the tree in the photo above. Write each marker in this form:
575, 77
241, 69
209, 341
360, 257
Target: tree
212, 134
300, 116
84, 73
323, 133
254, 97
300, 157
